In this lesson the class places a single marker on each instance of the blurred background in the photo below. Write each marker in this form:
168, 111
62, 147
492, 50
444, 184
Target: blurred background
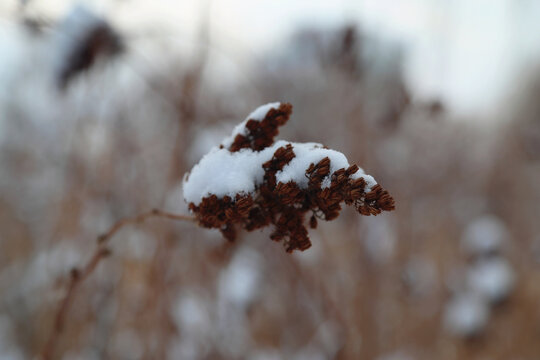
104, 105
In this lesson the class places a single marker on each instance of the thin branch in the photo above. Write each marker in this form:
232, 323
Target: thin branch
104, 238
77, 276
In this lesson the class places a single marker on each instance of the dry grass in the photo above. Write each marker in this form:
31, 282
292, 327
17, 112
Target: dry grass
367, 288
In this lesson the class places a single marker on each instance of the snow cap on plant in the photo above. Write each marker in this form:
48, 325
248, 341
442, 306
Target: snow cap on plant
252, 181
83, 38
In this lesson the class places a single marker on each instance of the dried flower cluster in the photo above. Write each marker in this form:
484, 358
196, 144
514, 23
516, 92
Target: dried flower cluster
87, 37
285, 204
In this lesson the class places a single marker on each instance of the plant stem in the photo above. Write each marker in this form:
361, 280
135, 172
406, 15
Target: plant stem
78, 275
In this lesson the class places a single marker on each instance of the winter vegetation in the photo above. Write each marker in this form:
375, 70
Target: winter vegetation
137, 207
253, 180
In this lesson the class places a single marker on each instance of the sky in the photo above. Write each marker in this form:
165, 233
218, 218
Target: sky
469, 53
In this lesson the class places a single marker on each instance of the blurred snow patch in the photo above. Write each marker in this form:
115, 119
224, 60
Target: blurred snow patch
11, 353
492, 278
173, 201
135, 244
96, 216
182, 350
127, 345
96, 139
204, 140
239, 282
379, 239
45, 268
484, 235
328, 336
466, 314
310, 353
81, 37
191, 315
420, 276
8, 350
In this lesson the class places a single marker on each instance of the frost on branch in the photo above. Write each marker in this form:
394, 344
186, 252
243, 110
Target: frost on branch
252, 181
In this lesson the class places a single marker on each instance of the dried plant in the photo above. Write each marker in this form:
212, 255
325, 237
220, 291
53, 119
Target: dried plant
87, 37
263, 200
78, 275
324, 185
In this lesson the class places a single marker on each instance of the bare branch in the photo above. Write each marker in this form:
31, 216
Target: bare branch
78, 275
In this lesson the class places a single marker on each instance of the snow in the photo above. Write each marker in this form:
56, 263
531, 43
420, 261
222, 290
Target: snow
312, 153
484, 235
77, 24
487, 281
223, 173
466, 314
46, 267
8, 348
239, 283
379, 238
491, 278
258, 114
191, 315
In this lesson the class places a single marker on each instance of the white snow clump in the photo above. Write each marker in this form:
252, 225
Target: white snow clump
484, 235
225, 173
466, 314
492, 278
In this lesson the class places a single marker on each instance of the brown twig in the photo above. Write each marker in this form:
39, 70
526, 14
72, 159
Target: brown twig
77, 276
102, 239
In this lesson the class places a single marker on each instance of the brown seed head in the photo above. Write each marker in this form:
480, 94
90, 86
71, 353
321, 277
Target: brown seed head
285, 205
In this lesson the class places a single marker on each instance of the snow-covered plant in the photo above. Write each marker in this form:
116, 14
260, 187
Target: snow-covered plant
252, 181
83, 38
